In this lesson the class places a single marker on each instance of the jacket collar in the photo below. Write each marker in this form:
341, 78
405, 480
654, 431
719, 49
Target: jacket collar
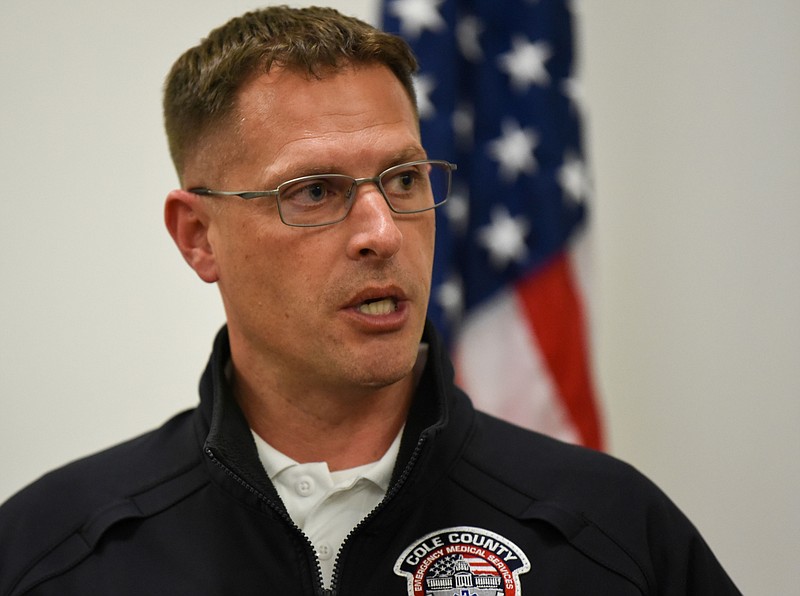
230, 441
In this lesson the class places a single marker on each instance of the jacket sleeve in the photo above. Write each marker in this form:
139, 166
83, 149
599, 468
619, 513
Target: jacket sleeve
604, 507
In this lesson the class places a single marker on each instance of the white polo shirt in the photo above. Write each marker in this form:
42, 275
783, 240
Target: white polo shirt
327, 505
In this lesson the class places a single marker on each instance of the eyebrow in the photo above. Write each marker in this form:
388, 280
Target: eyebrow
412, 153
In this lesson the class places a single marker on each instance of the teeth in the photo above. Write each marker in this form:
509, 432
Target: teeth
379, 307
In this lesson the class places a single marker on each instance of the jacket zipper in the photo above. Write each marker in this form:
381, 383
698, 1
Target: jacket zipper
281, 511
394, 489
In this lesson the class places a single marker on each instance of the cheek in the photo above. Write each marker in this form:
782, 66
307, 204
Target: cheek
424, 239
247, 257
294, 271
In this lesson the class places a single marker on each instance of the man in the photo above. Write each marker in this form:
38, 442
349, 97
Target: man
331, 452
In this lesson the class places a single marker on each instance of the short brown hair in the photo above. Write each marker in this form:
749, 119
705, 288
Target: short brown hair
200, 90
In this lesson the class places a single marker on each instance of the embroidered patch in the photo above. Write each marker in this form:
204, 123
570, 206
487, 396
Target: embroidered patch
463, 561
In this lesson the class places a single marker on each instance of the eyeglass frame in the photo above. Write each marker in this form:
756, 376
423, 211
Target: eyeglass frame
376, 180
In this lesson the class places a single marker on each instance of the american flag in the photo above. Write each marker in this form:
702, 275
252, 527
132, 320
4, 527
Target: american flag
497, 96
446, 566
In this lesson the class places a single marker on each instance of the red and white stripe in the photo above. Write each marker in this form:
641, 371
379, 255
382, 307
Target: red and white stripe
523, 357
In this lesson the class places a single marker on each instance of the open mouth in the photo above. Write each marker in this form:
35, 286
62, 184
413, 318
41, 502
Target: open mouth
378, 306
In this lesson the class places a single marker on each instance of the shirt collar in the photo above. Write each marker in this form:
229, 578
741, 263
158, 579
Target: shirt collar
378, 472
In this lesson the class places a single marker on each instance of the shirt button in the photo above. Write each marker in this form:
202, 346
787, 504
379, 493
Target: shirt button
324, 551
304, 486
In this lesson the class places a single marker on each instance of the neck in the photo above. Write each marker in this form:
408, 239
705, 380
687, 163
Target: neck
345, 427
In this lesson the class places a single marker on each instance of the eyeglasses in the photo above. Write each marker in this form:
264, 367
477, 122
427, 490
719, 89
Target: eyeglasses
326, 199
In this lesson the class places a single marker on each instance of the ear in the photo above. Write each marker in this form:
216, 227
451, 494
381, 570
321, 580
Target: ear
188, 220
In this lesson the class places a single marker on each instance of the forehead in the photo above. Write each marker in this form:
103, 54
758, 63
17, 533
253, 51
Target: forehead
356, 113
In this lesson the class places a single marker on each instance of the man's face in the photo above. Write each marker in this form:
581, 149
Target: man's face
295, 297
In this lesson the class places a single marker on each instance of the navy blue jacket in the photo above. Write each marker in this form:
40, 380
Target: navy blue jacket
476, 506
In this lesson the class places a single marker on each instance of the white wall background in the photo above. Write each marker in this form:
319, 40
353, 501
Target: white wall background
694, 136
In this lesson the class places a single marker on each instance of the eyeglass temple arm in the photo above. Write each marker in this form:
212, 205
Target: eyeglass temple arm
245, 194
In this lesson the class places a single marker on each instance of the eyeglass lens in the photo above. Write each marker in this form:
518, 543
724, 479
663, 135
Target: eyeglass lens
317, 200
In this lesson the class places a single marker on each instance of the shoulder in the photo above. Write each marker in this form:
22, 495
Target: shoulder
535, 466
515, 469
85, 496
598, 487
544, 467
119, 470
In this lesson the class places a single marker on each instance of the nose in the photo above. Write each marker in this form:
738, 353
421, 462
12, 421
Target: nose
374, 231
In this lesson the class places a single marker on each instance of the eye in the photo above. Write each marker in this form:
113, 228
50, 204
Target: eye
405, 181
315, 192
308, 192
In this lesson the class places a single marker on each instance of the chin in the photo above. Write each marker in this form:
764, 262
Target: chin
378, 372
380, 383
